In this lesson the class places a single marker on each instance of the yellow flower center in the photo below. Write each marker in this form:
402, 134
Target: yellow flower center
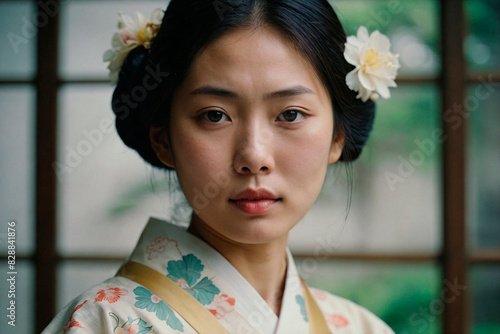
372, 59
146, 34
142, 35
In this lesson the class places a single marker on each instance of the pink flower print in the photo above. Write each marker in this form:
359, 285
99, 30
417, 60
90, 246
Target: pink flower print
131, 329
221, 305
337, 320
111, 295
155, 299
131, 326
73, 323
70, 324
157, 245
319, 295
183, 284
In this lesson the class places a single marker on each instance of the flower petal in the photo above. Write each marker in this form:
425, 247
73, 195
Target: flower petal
352, 40
108, 55
364, 94
379, 42
117, 41
125, 22
381, 87
140, 21
127, 35
366, 80
157, 16
362, 34
352, 80
351, 54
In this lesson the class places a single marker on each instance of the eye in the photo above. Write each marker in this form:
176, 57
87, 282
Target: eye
290, 116
214, 116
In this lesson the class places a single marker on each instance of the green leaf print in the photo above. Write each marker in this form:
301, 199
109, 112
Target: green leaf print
186, 273
204, 291
188, 269
302, 303
148, 301
137, 325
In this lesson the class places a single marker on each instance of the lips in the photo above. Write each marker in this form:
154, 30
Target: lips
254, 194
255, 201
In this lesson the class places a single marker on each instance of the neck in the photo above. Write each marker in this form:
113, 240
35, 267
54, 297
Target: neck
252, 261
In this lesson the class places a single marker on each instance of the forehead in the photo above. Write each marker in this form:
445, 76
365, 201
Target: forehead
253, 58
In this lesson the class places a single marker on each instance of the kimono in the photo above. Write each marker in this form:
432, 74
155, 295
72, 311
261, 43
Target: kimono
120, 305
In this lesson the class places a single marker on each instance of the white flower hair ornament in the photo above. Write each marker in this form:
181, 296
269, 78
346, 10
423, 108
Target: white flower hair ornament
130, 35
376, 67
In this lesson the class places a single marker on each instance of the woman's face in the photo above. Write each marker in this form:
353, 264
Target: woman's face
250, 137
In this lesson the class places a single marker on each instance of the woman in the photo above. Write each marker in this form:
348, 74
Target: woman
247, 102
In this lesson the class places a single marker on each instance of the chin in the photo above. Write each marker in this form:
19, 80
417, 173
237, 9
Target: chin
246, 230
256, 231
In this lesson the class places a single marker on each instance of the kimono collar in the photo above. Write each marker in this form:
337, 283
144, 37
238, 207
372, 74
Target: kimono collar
209, 277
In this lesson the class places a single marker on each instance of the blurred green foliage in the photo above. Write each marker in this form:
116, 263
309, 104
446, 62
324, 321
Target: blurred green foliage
400, 294
411, 114
482, 44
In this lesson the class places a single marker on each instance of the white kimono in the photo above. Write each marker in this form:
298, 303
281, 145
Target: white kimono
119, 305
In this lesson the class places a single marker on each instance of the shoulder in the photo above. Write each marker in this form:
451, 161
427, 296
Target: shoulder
345, 316
93, 309
116, 305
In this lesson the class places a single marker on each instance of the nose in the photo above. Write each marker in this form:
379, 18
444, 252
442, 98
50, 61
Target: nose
254, 152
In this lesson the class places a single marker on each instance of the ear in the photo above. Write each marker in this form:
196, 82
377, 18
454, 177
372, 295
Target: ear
337, 147
161, 145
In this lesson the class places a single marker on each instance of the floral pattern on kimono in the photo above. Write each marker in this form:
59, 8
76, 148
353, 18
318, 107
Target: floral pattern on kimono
221, 305
119, 305
111, 294
152, 303
131, 326
186, 273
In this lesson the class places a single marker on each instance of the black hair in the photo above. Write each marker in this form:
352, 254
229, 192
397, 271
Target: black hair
148, 80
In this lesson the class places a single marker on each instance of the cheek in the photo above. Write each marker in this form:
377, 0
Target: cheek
198, 160
193, 153
190, 148
307, 156
304, 169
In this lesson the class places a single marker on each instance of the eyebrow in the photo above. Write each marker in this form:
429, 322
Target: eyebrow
222, 92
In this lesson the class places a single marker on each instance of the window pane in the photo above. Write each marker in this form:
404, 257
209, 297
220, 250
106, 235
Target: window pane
412, 26
482, 47
81, 50
395, 204
105, 189
483, 161
24, 298
76, 277
405, 296
17, 164
18, 39
486, 299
